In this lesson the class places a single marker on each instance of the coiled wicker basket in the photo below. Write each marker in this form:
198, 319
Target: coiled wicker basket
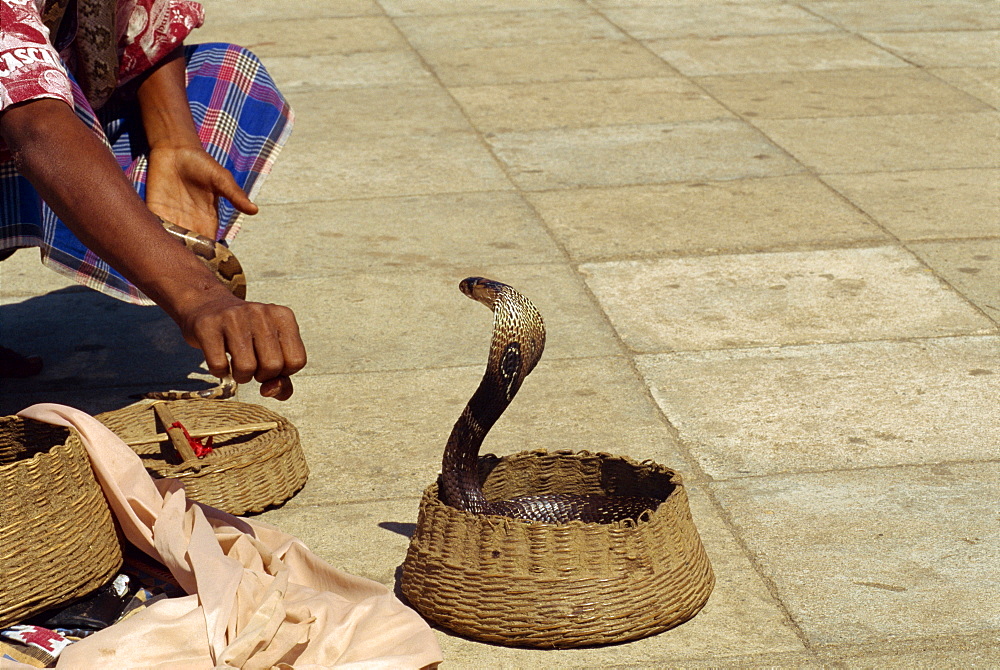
247, 472
524, 583
57, 539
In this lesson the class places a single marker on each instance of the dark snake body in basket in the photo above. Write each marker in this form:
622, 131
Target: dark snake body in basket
227, 268
518, 340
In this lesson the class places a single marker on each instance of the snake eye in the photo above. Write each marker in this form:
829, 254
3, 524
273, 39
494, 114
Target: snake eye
481, 289
467, 284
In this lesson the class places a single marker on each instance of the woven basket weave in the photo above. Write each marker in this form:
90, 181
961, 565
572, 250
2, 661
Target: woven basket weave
57, 539
524, 583
247, 472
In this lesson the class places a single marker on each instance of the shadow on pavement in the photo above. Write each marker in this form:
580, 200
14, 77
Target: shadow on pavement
97, 351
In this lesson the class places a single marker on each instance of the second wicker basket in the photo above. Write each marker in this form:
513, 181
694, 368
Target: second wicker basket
527, 583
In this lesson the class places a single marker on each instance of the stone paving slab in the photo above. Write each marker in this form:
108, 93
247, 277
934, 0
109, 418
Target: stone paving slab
337, 71
715, 19
744, 300
888, 143
772, 53
374, 436
964, 651
849, 554
375, 114
402, 8
703, 217
580, 104
459, 231
606, 59
942, 49
343, 35
787, 660
928, 204
241, 11
901, 15
502, 29
621, 155
366, 538
393, 165
603, 4
822, 93
982, 82
833, 406
973, 268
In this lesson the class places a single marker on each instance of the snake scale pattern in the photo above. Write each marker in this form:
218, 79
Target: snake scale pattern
226, 267
516, 347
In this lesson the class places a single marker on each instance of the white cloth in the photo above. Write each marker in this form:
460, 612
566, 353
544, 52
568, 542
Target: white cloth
258, 597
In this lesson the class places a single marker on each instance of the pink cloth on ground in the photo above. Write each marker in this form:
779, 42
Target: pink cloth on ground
259, 598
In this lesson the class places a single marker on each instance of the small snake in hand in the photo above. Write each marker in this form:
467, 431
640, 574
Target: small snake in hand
227, 268
516, 347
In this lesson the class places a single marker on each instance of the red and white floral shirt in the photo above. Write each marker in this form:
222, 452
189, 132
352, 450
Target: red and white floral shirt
30, 67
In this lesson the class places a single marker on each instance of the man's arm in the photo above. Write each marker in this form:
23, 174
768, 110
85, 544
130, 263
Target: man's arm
82, 183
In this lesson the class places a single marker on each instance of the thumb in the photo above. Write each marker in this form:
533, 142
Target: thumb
226, 186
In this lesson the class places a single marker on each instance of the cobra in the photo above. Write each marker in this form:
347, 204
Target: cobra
226, 267
516, 347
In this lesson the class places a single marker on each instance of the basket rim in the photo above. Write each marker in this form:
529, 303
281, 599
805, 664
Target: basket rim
276, 446
676, 480
20, 462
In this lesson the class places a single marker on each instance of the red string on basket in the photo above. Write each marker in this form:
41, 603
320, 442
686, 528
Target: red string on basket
200, 450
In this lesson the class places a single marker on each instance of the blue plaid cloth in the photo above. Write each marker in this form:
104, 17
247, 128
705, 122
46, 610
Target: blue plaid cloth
242, 121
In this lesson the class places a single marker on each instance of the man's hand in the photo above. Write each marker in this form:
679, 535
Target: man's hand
184, 184
83, 184
262, 340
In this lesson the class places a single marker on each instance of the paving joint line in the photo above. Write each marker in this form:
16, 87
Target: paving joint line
863, 468
345, 503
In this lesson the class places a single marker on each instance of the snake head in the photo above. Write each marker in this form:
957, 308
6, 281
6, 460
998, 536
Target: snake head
482, 290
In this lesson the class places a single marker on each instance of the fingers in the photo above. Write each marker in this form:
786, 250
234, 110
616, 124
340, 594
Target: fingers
226, 186
262, 342
212, 343
184, 186
292, 347
274, 348
279, 388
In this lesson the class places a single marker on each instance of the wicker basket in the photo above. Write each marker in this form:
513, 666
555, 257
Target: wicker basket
524, 583
57, 539
247, 472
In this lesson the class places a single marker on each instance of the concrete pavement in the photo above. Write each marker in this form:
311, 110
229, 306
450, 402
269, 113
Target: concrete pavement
765, 237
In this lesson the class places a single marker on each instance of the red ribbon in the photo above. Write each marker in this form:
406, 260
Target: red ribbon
200, 450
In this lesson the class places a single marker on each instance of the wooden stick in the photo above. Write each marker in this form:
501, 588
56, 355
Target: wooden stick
242, 428
176, 435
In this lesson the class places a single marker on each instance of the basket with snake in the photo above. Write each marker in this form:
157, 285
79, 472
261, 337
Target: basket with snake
548, 549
